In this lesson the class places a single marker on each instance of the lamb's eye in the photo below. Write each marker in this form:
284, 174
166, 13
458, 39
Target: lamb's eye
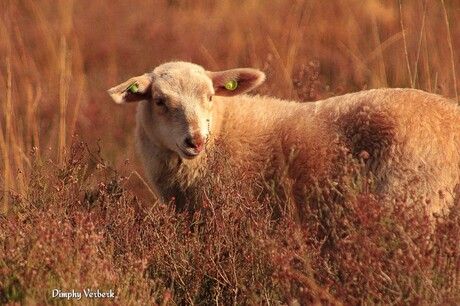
210, 98
160, 101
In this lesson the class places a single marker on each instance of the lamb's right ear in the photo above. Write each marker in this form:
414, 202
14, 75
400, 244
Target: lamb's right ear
133, 90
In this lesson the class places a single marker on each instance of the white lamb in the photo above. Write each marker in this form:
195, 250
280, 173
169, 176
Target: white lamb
185, 113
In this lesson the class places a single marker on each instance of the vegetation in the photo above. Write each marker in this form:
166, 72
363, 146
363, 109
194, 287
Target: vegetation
76, 212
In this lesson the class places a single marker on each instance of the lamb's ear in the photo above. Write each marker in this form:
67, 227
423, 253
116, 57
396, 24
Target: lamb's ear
133, 90
236, 81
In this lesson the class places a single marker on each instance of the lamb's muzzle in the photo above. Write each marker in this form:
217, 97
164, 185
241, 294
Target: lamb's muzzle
193, 145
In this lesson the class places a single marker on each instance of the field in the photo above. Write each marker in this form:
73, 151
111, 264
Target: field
75, 209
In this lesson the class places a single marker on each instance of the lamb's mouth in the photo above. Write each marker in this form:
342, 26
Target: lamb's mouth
188, 153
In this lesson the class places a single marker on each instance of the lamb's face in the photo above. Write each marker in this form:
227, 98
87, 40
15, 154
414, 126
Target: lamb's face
176, 111
180, 110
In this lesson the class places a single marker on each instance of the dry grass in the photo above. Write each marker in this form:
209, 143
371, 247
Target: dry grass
69, 220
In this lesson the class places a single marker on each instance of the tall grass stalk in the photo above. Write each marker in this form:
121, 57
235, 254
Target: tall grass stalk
382, 77
451, 49
282, 66
4, 142
63, 92
419, 47
403, 31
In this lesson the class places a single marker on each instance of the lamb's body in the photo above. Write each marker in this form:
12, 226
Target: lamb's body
411, 138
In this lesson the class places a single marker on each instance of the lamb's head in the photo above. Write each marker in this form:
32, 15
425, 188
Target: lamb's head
178, 99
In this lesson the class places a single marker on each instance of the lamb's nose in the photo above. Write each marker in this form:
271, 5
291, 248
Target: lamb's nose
195, 142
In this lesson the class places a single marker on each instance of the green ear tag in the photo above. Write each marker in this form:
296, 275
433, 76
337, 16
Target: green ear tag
231, 85
133, 88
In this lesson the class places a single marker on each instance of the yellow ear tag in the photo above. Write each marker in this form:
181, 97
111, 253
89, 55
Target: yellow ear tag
133, 88
231, 85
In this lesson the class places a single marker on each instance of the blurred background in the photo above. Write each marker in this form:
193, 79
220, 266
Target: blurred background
58, 58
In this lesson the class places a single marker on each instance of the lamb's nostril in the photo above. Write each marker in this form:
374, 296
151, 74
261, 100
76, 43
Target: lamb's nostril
190, 143
195, 142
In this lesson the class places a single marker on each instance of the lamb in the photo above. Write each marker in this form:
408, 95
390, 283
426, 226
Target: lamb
409, 137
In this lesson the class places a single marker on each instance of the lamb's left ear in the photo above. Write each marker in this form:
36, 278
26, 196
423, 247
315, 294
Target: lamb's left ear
236, 81
133, 90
